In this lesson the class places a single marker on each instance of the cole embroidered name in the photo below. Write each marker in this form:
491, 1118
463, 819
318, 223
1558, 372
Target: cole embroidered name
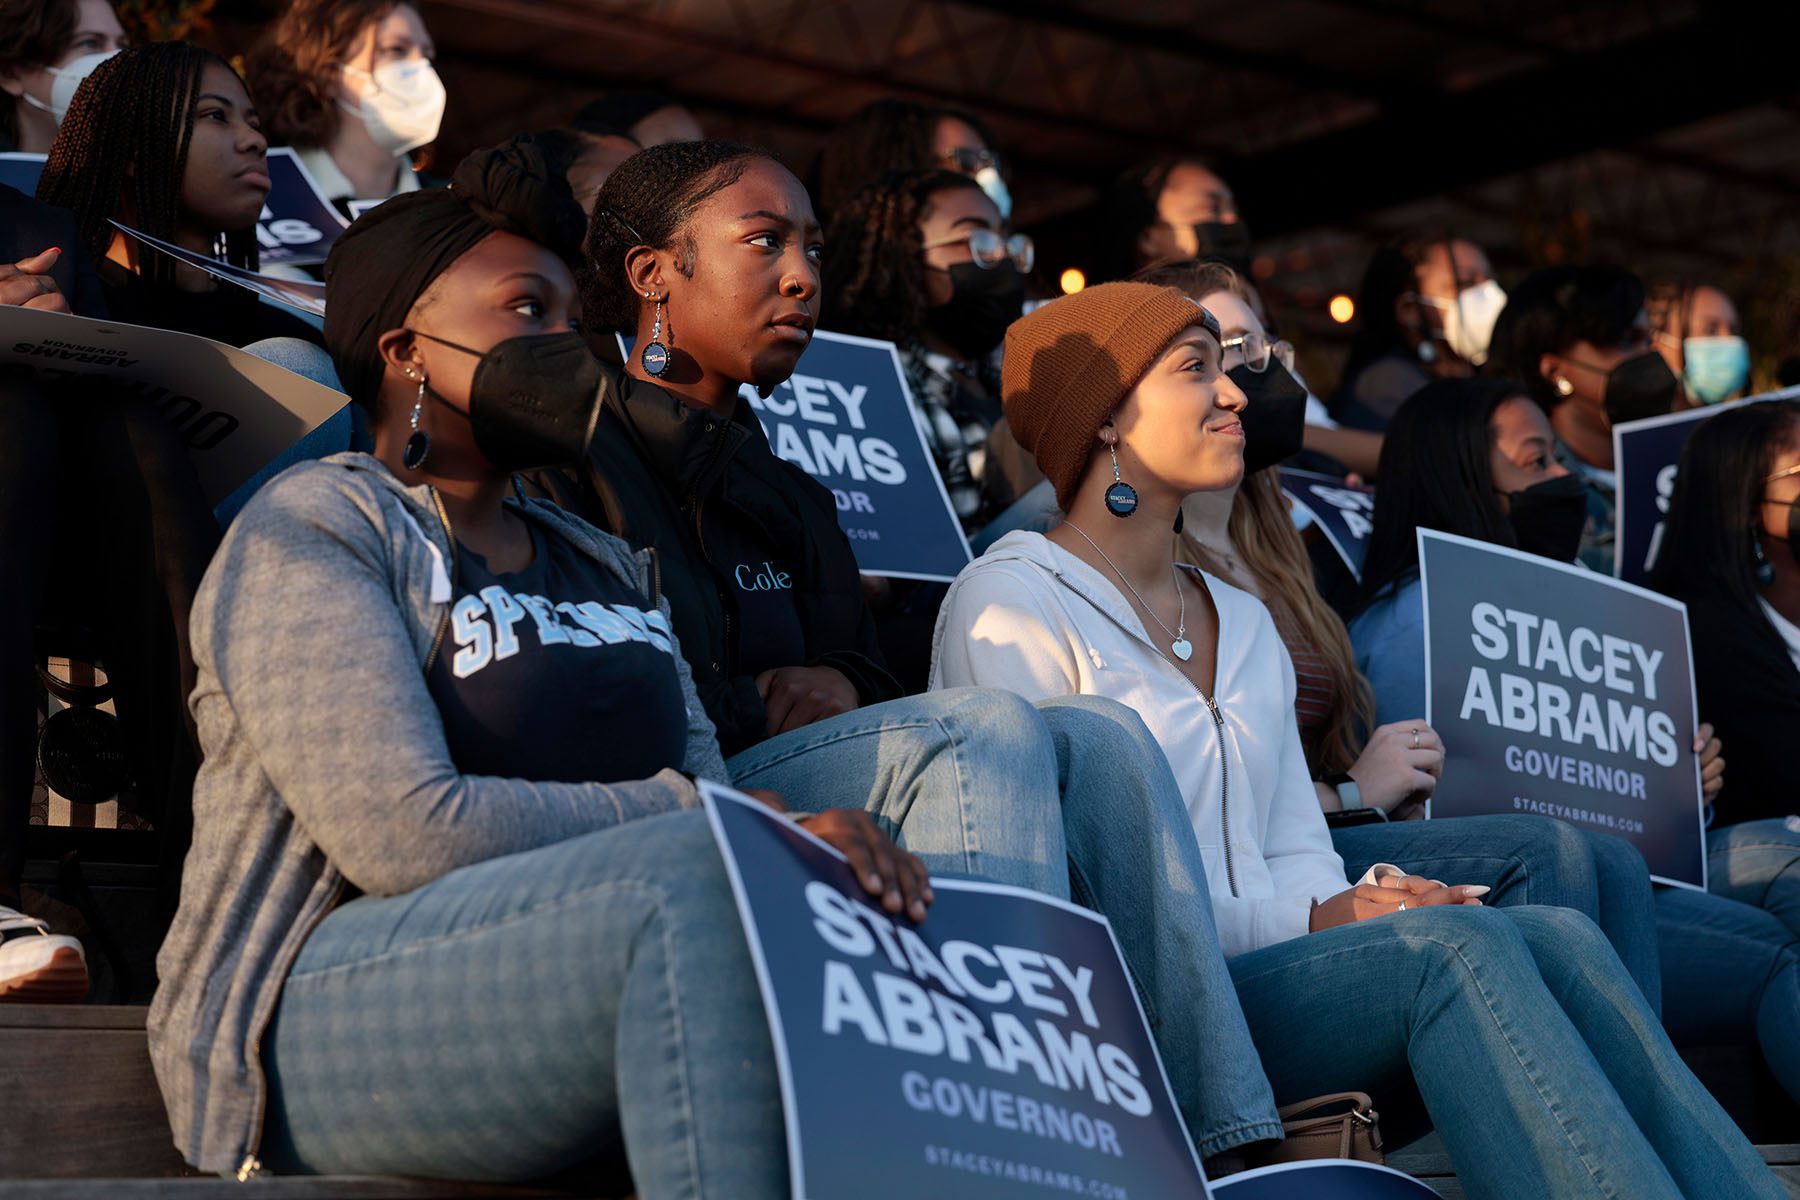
765, 579
483, 625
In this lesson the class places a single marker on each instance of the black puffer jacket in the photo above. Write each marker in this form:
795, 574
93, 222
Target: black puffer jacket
655, 466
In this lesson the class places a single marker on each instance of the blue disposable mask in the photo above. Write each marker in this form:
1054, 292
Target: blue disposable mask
1716, 368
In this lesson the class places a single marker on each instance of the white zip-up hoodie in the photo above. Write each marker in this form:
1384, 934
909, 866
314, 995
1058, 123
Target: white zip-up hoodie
1032, 618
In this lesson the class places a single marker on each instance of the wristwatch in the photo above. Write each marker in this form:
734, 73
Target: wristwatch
1349, 795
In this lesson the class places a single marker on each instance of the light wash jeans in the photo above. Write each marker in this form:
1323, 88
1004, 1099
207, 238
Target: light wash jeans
1528, 860
1535, 1054
1072, 798
529, 1013
1758, 863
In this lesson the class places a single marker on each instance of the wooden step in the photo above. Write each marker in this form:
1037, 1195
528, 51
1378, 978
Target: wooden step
84, 1119
1425, 1160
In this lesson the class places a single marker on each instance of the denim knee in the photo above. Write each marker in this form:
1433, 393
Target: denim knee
1088, 723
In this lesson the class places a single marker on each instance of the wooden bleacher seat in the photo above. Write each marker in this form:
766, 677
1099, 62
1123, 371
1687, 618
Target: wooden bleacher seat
84, 1119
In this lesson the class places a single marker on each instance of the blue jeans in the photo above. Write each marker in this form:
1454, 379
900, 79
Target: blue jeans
1758, 863
1528, 860
1534, 1053
1072, 798
529, 1013
1733, 970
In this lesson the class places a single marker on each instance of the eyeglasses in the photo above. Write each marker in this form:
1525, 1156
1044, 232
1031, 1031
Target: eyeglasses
1257, 350
968, 160
989, 249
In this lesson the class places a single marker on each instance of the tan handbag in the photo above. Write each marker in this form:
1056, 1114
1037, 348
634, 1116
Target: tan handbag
1342, 1125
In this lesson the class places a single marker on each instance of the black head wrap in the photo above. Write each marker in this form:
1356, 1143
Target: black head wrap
380, 266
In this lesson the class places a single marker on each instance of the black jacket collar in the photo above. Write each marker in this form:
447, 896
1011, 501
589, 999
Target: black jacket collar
687, 447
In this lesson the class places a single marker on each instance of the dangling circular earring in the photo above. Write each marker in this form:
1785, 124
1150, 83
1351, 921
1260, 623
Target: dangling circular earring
418, 446
1765, 570
1121, 497
655, 355
1564, 387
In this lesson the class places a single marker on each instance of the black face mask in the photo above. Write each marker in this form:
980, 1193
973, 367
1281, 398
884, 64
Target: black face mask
1229, 242
534, 400
1548, 518
1640, 387
1274, 414
983, 302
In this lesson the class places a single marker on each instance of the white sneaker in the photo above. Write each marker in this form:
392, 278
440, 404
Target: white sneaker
37, 966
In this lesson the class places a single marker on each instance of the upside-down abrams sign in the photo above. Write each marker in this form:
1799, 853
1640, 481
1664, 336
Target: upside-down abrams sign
234, 411
1564, 693
996, 1049
1345, 514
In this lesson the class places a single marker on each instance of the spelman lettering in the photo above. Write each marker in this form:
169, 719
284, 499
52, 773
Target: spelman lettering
483, 625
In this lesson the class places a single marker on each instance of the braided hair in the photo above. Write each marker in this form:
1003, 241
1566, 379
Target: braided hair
874, 257
648, 201
123, 149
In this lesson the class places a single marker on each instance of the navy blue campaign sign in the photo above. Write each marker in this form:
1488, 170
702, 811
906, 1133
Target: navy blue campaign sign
1564, 693
298, 224
1345, 514
21, 170
997, 1049
845, 417
1337, 1179
1645, 455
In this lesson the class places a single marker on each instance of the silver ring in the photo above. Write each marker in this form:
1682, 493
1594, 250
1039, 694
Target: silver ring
1402, 907
1415, 733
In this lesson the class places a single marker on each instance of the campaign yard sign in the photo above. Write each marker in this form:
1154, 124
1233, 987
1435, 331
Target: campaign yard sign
306, 295
1645, 456
995, 1049
845, 417
1346, 514
1562, 692
235, 412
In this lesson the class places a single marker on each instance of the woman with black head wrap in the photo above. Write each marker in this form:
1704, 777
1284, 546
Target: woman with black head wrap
450, 911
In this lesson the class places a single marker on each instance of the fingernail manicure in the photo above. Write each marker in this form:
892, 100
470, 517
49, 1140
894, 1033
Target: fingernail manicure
872, 880
1479, 889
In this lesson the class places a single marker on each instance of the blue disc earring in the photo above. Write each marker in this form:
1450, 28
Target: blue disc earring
1765, 570
1121, 497
655, 355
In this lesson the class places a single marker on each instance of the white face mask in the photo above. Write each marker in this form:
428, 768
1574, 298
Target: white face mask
406, 107
64, 81
1469, 320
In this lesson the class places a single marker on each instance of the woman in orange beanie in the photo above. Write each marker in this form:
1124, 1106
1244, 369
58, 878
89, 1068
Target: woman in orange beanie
1532, 1050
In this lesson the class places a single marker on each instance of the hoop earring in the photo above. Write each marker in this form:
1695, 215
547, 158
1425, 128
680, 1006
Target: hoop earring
655, 355
418, 446
1121, 497
1765, 570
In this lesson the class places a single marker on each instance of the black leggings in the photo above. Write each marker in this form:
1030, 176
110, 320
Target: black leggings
103, 526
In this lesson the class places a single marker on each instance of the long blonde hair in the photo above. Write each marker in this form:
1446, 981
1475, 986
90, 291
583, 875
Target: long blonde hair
1263, 532
1270, 550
